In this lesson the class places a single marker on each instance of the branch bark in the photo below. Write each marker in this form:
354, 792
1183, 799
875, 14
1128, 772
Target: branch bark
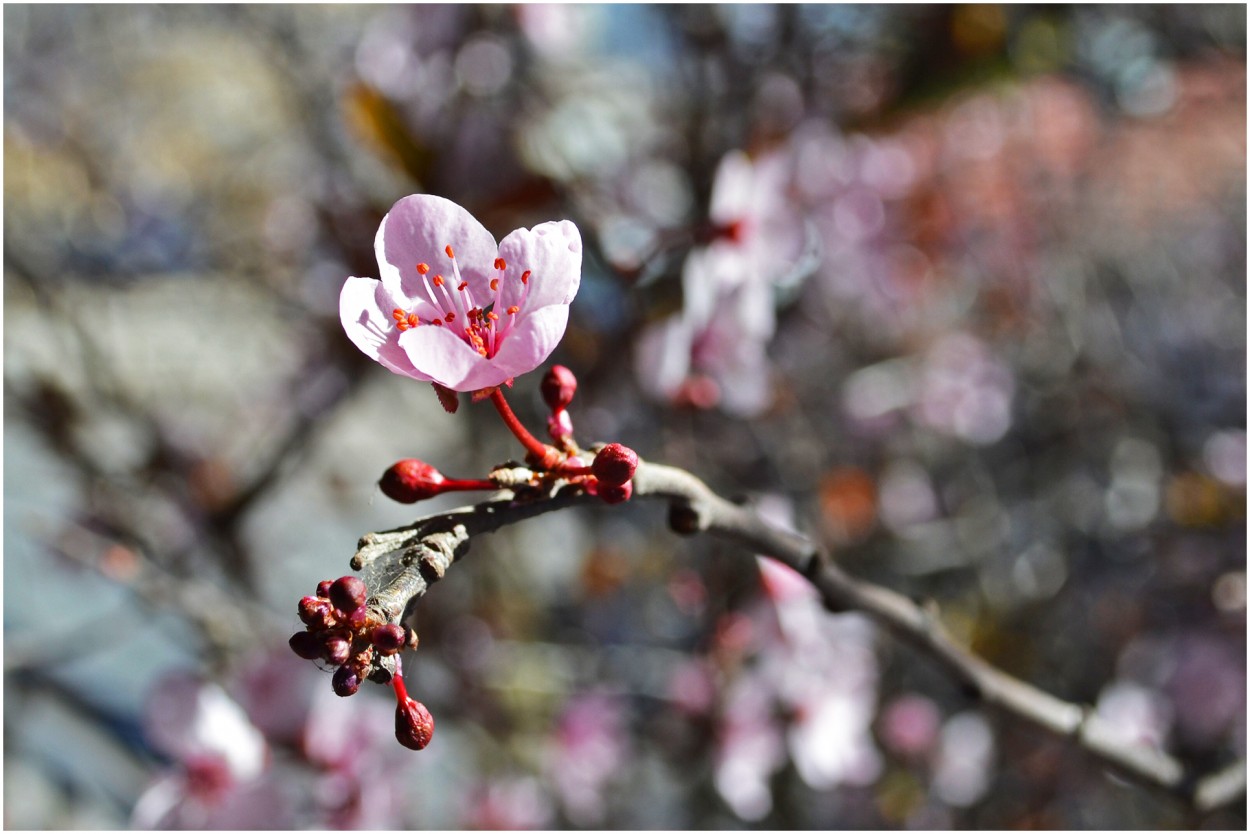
402, 564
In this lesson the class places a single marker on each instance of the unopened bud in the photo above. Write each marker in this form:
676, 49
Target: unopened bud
411, 480
306, 645
323, 588
559, 425
614, 465
414, 726
345, 681
315, 612
389, 638
615, 494
558, 387
348, 593
337, 649
357, 618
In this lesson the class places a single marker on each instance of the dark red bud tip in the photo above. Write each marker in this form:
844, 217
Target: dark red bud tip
348, 593
323, 588
615, 464
558, 387
345, 681
616, 494
410, 481
306, 645
414, 726
389, 638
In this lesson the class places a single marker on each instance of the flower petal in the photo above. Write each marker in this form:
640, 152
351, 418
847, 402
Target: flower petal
662, 356
418, 229
531, 340
442, 356
732, 188
552, 252
365, 308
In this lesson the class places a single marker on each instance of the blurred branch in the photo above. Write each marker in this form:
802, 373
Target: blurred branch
403, 563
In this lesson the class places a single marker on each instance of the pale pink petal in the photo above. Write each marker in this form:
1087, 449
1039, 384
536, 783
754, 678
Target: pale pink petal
662, 356
532, 340
703, 282
158, 802
552, 252
365, 308
418, 229
732, 188
187, 717
441, 355
783, 583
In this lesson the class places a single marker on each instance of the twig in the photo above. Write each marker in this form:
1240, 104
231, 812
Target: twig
404, 562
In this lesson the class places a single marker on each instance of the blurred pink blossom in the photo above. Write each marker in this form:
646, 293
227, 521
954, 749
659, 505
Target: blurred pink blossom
1135, 714
909, 725
508, 804
220, 759
453, 308
589, 748
713, 353
965, 391
965, 758
750, 747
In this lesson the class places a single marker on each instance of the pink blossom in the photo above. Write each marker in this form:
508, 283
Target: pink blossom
588, 751
1135, 714
909, 725
454, 308
220, 779
750, 748
713, 352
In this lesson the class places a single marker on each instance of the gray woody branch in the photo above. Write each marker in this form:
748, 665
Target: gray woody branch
404, 562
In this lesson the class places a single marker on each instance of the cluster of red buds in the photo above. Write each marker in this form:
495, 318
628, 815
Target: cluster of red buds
340, 632
339, 628
609, 474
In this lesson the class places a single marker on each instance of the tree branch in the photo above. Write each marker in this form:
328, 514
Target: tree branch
402, 563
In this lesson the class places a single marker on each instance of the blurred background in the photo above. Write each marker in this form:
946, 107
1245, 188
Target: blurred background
957, 290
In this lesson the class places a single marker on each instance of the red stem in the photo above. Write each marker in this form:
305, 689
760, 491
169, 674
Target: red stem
454, 485
547, 456
397, 681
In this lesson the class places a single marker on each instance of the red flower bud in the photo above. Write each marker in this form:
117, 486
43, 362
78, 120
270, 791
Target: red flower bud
558, 387
345, 681
559, 426
315, 612
615, 494
337, 648
389, 638
323, 588
306, 645
410, 481
348, 593
414, 726
615, 464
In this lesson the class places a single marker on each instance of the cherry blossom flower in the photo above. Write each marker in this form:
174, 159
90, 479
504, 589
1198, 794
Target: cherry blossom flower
454, 308
221, 759
1135, 714
965, 760
713, 352
588, 750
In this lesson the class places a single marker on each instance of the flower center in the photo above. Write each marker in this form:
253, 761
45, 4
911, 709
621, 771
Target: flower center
480, 322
